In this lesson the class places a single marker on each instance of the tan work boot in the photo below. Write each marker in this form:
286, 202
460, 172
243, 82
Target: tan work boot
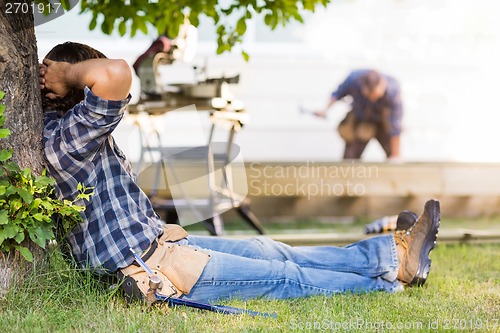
415, 244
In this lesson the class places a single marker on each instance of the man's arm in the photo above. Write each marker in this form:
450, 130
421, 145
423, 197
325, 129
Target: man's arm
394, 147
322, 113
396, 116
344, 89
109, 79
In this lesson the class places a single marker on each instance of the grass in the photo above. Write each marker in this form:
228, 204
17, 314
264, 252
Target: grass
235, 225
462, 294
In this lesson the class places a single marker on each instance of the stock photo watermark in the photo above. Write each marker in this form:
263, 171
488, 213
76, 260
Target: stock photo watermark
203, 179
310, 179
43, 11
454, 324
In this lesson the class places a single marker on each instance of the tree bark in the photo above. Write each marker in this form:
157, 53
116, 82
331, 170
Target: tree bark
24, 115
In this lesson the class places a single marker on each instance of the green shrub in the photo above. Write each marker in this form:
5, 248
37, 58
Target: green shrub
28, 203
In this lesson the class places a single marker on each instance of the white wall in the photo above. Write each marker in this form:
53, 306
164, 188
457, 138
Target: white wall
445, 54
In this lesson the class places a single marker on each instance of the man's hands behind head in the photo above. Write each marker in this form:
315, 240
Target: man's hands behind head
53, 77
109, 79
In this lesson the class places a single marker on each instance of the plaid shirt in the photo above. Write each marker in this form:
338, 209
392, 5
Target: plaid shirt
79, 148
364, 109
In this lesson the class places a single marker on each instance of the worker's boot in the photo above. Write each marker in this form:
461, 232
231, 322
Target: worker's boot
415, 244
403, 221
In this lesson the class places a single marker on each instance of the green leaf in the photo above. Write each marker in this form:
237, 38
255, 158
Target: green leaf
220, 49
2, 94
245, 55
19, 237
105, 26
93, 22
241, 26
4, 133
195, 20
12, 167
271, 20
10, 231
4, 217
15, 205
5, 154
43, 180
26, 173
39, 217
26, 253
133, 28
36, 203
298, 18
221, 29
161, 24
9, 190
47, 205
2, 108
65, 4
122, 28
40, 235
142, 26
25, 195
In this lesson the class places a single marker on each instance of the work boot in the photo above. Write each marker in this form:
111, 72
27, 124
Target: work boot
415, 244
403, 221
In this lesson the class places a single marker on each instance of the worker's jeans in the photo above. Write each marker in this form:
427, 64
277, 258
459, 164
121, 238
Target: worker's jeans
261, 267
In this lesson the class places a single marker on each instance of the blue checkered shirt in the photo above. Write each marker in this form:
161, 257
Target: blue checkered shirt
79, 148
366, 110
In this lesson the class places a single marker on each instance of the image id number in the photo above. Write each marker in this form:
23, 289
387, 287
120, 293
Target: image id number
25, 8
468, 324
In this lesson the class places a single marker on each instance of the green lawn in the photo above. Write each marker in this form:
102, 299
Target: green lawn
235, 225
461, 295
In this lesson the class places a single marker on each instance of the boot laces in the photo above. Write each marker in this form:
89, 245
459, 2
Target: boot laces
402, 235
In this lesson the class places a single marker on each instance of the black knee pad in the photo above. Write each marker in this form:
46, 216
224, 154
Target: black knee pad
131, 292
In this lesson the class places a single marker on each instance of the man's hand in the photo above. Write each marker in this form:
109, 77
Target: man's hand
320, 114
395, 145
41, 72
53, 76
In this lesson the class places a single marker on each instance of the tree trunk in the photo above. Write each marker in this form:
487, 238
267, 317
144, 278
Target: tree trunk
24, 117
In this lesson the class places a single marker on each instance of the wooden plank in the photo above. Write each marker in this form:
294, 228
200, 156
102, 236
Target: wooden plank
335, 239
475, 179
363, 189
372, 179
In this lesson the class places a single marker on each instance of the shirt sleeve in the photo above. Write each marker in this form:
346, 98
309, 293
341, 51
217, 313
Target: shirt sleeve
396, 113
84, 128
345, 88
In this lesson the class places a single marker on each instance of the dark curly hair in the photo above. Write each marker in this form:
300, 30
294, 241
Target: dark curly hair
73, 53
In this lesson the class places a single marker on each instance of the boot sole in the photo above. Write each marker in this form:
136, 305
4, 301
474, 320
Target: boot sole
432, 208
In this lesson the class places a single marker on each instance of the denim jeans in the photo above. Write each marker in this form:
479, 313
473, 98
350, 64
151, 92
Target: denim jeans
261, 267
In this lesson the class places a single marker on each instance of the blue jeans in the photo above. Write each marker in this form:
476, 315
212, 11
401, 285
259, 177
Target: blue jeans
261, 267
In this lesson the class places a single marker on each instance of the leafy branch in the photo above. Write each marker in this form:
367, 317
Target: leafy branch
166, 16
28, 203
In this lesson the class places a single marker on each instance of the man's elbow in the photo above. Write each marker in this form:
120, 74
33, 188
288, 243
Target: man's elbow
120, 76
120, 71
